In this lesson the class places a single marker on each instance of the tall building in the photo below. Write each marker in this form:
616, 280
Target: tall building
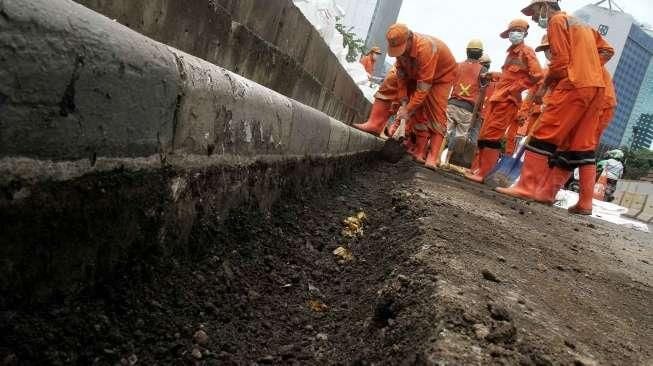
643, 132
643, 105
629, 66
385, 14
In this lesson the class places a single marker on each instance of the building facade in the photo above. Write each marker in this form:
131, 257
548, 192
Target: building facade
629, 66
643, 132
643, 106
385, 14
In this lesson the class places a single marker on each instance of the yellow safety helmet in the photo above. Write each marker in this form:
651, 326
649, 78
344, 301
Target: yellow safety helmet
475, 43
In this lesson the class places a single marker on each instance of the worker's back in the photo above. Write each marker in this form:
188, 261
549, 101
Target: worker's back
575, 51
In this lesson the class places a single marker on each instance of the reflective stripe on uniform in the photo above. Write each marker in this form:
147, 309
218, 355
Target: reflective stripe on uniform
423, 86
420, 127
516, 62
464, 89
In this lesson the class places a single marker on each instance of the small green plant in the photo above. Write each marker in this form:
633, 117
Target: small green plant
349, 39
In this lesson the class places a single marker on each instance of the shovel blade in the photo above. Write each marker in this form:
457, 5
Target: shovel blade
506, 172
393, 150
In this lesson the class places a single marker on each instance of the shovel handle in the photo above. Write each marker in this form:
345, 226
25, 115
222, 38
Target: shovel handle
400, 133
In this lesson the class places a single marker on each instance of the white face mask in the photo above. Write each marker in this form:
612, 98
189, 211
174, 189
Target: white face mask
516, 37
543, 20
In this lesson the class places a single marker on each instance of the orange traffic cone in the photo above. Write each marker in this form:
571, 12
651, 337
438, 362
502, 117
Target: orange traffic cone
600, 186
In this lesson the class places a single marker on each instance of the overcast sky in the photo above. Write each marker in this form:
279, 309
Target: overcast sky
456, 22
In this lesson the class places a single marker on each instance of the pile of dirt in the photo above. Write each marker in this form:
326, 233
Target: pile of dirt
441, 271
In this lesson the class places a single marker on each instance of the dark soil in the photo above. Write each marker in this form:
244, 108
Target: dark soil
446, 272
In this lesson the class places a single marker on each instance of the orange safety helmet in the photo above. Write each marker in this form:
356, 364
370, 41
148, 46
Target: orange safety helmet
517, 23
397, 36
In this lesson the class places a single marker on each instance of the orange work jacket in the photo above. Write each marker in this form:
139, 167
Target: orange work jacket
429, 62
576, 53
520, 72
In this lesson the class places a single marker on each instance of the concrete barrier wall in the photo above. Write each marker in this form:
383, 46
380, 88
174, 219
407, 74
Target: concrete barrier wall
77, 85
267, 41
114, 146
637, 197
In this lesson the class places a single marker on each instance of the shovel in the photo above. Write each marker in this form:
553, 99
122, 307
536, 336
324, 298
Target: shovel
393, 149
508, 168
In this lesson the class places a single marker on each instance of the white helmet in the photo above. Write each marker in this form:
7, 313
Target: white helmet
615, 154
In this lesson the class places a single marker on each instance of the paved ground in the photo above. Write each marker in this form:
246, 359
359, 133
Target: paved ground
445, 272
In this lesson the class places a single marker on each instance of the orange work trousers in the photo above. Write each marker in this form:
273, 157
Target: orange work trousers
389, 88
499, 117
511, 137
570, 119
431, 117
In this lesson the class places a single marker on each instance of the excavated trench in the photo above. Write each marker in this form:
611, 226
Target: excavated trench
435, 276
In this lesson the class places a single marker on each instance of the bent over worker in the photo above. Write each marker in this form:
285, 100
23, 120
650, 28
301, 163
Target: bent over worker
426, 69
465, 96
520, 71
565, 137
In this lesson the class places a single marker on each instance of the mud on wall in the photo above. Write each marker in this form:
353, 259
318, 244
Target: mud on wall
267, 41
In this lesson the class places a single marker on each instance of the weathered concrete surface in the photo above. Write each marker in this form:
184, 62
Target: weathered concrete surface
223, 113
114, 146
68, 79
77, 85
267, 41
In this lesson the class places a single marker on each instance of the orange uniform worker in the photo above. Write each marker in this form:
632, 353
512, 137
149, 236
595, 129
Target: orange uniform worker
567, 130
490, 80
531, 107
426, 69
369, 60
520, 72
382, 108
465, 95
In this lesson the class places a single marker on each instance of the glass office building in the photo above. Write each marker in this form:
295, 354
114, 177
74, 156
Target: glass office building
630, 69
643, 106
643, 132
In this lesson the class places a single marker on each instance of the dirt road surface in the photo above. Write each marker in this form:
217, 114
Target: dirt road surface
446, 272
